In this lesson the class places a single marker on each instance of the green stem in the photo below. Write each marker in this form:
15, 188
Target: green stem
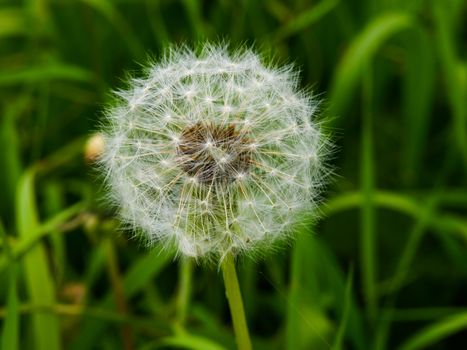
368, 239
232, 290
119, 293
184, 290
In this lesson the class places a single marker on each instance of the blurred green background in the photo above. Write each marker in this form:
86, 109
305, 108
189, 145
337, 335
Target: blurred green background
386, 266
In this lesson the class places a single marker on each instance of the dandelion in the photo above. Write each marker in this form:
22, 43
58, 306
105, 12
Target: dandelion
214, 153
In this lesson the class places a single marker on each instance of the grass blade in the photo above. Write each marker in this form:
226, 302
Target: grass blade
442, 223
107, 9
454, 75
368, 230
306, 19
39, 282
359, 53
51, 71
137, 277
307, 326
338, 342
10, 334
185, 341
10, 154
194, 12
419, 83
38, 232
436, 332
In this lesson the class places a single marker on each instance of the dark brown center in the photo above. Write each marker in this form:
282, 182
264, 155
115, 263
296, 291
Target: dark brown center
214, 153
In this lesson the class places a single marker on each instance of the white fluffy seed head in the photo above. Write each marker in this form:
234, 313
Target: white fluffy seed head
214, 153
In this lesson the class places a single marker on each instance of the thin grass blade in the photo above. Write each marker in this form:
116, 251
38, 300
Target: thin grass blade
39, 281
359, 53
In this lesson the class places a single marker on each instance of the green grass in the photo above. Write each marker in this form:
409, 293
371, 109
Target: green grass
385, 267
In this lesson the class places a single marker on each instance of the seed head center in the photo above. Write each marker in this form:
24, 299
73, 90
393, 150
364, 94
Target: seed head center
214, 153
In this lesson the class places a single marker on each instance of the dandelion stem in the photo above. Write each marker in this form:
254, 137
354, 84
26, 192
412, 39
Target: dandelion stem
184, 290
232, 290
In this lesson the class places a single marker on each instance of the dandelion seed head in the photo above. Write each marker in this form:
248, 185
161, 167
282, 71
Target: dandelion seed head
214, 152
